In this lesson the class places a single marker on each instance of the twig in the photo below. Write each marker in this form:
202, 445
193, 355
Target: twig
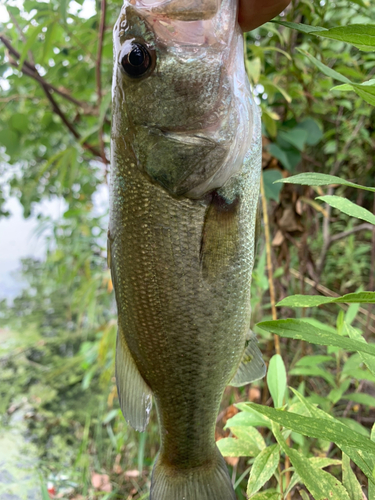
355, 229
329, 293
334, 170
351, 403
372, 273
100, 50
99, 76
30, 70
269, 261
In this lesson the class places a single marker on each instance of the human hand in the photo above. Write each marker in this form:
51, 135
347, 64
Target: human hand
253, 13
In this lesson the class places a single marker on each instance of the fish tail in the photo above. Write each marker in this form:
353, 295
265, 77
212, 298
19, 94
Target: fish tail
210, 481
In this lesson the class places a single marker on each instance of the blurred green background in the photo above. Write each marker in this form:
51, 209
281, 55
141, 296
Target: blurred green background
58, 402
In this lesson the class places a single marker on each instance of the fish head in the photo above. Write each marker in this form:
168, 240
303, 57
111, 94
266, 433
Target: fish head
181, 98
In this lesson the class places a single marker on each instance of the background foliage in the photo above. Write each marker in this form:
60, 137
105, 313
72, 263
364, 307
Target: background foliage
59, 334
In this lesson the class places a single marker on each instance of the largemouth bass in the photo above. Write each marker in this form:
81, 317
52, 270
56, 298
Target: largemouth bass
185, 172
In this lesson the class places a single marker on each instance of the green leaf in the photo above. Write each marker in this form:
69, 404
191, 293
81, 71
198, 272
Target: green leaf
269, 179
362, 399
314, 371
263, 468
318, 300
244, 419
349, 480
365, 90
335, 432
276, 380
368, 360
361, 36
325, 69
302, 28
365, 461
297, 137
313, 360
248, 417
249, 443
302, 330
314, 179
280, 155
48, 41
267, 495
10, 141
314, 132
63, 9
320, 483
33, 33
371, 486
19, 122
348, 207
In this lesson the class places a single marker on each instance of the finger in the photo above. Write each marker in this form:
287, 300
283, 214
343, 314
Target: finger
253, 13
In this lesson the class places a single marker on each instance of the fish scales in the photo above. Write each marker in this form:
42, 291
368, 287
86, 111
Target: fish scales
181, 235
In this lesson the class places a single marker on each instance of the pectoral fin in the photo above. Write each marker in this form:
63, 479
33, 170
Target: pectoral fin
252, 366
134, 394
220, 236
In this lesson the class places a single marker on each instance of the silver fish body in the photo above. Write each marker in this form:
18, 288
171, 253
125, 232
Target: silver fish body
185, 171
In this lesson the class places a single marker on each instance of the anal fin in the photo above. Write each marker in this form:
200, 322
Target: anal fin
134, 394
252, 366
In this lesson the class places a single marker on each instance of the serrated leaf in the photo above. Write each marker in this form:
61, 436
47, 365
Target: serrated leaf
361, 36
302, 330
315, 179
318, 300
263, 468
348, 207
276, 380
321, 484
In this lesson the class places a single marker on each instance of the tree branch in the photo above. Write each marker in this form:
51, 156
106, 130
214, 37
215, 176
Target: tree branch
355, 229
99, 76
30, 70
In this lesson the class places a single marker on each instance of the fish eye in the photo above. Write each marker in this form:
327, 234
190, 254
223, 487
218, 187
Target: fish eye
136, 59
